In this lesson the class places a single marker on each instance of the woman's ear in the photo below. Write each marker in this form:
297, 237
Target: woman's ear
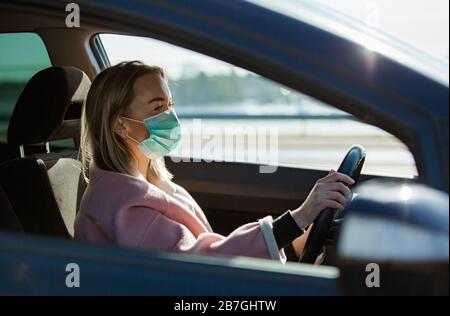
120, 129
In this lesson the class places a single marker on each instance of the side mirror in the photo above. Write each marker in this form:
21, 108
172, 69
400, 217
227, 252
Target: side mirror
395, 241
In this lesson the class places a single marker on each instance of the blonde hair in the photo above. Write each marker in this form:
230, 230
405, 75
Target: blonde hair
110, 94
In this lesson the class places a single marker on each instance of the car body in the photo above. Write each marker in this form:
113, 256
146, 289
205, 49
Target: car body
387, 86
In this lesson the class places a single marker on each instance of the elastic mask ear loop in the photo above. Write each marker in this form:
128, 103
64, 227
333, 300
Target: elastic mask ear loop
134, 140
133, 120
137, 121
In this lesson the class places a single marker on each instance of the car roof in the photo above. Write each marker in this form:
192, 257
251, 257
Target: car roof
374, 40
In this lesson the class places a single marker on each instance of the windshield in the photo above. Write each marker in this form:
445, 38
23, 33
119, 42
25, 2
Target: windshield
397, 29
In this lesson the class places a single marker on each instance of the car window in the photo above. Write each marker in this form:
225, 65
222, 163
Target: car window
230, 114
21, 56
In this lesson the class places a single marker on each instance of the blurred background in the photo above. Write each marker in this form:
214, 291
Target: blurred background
309, 132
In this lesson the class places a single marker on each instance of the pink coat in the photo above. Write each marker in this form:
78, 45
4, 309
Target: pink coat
130, 211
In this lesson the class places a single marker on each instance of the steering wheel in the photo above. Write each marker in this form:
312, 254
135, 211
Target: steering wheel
351, 166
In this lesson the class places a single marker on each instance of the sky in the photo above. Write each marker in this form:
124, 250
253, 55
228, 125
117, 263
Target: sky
423, 24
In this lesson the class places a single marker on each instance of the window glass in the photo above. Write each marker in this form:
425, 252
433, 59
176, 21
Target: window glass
230, 114
21, 56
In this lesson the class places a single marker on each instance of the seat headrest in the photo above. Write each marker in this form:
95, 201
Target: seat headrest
49, 107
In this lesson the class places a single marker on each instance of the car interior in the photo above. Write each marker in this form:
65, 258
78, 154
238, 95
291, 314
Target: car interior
41, 185
50, 106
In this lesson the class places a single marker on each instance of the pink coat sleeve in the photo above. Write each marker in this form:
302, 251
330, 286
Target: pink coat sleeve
149, 229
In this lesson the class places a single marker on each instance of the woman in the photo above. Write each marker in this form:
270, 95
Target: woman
128, 125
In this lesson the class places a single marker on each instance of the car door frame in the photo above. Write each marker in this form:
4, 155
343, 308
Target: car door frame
32, 265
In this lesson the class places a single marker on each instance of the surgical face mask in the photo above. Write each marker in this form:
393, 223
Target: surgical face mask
165, 133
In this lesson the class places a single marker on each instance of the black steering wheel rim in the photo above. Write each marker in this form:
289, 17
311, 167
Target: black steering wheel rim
351, 165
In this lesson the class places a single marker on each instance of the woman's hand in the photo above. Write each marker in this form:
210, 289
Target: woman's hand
329, 192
